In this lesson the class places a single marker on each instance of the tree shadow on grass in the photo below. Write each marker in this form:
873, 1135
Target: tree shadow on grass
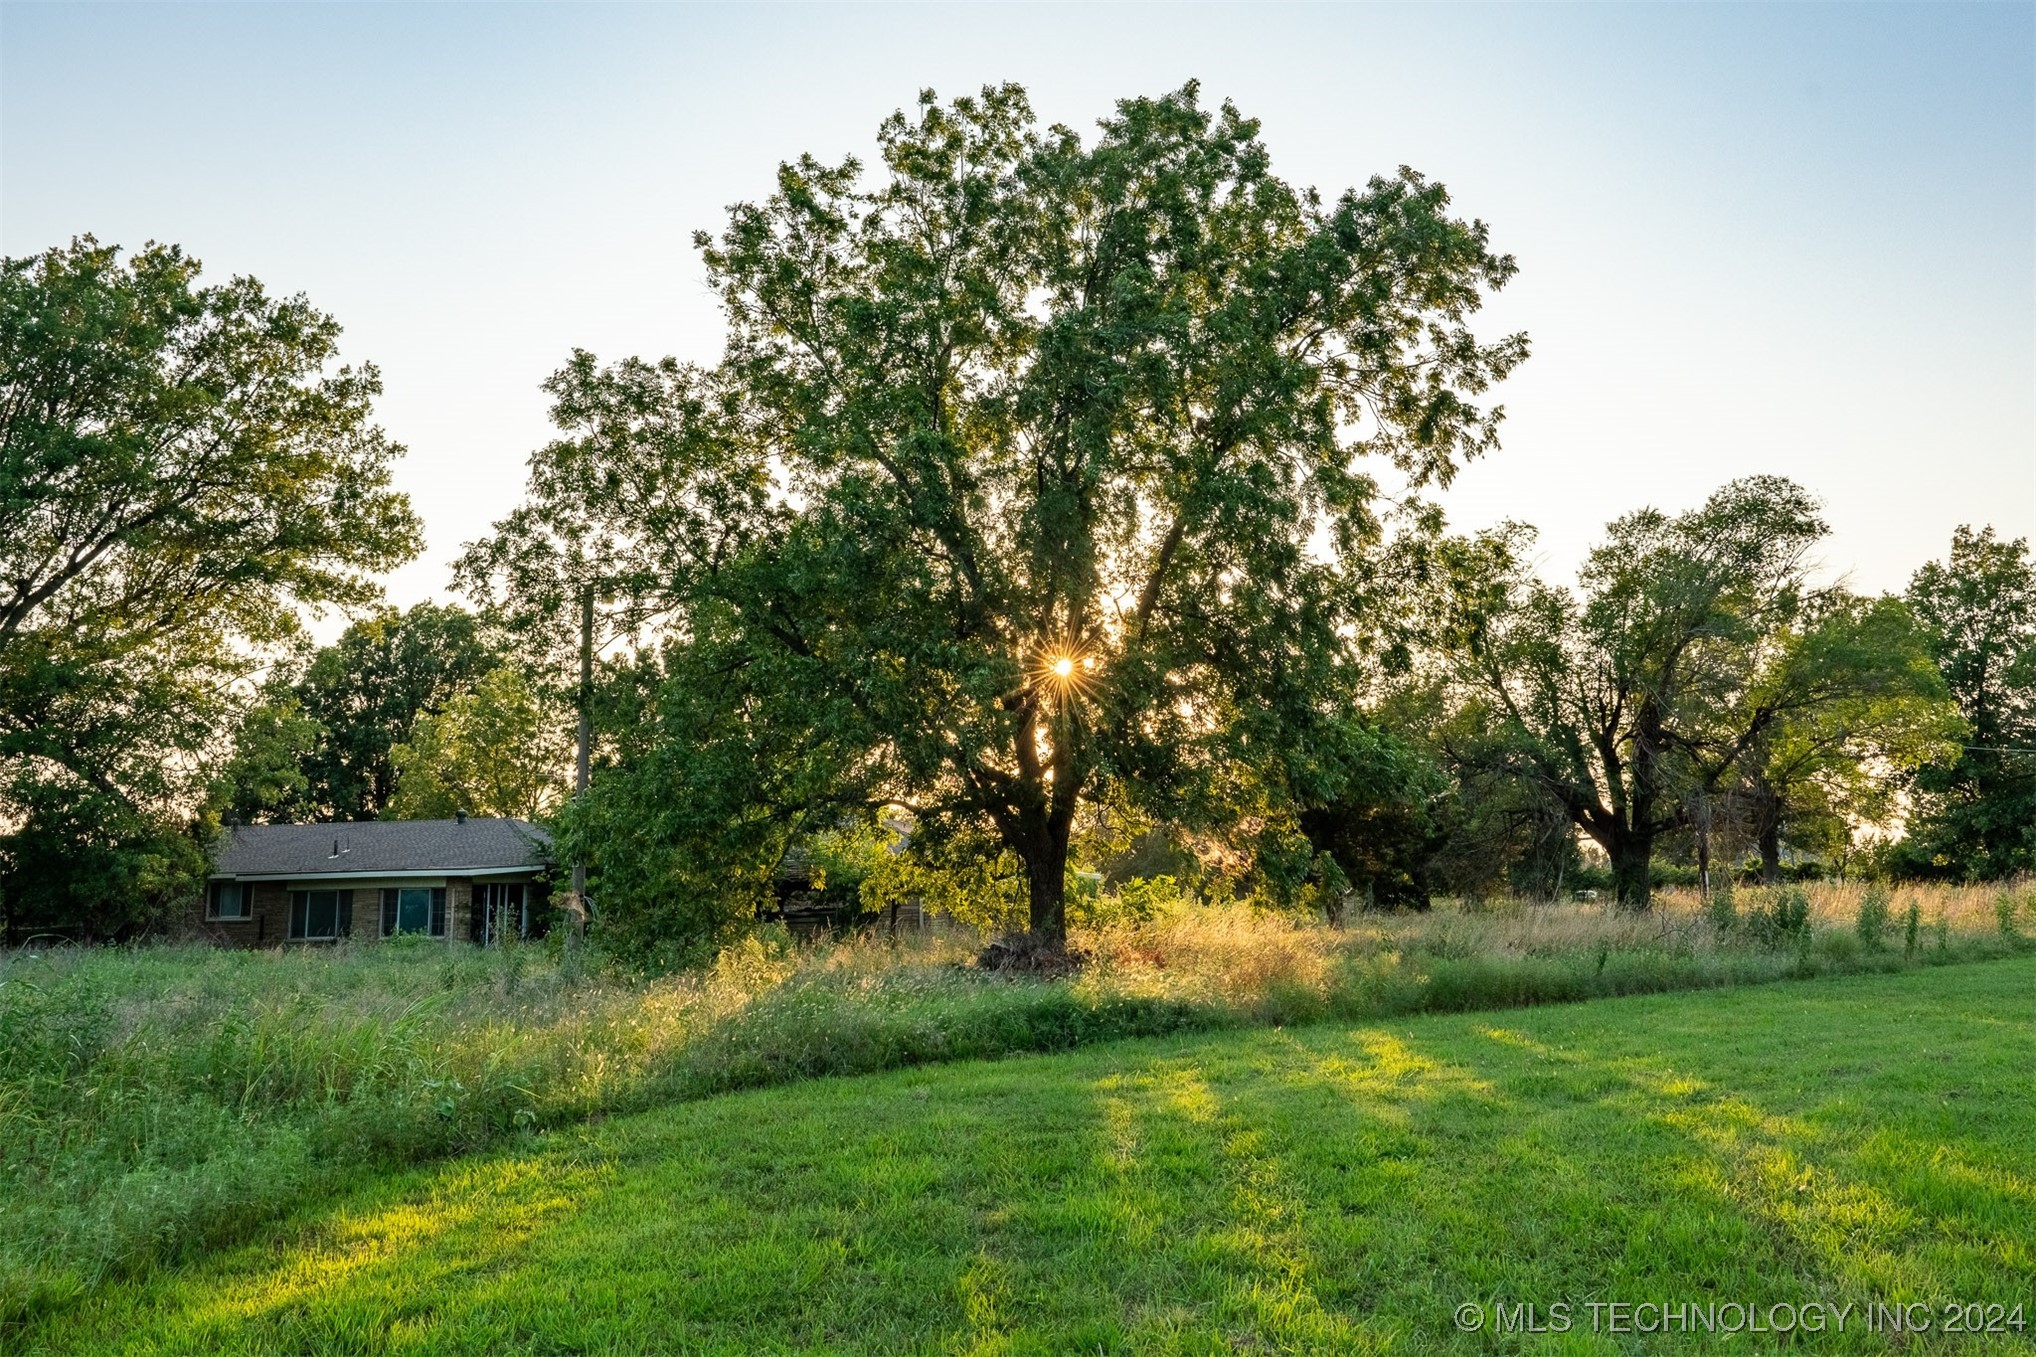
1322, 1190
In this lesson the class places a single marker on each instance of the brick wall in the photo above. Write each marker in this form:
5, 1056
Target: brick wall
268, 920
268, 923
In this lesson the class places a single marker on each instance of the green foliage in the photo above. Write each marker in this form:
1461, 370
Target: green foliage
367, 691
843, 860
1695, 667
1782, 919
181, 469
1720, 907
495, 750
1872, 922
976, 883
2004, 917
1912, 924
90, 865
1371, 803
1791, 911
1033, 400
868, 868
1975, 817
680, 853
1621, 700
1143, 899
263, 779
1878, 711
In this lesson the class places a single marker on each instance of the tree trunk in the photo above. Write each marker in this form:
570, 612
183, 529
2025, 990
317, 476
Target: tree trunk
1767, 826
1770, 853
1632, 854
1045, 859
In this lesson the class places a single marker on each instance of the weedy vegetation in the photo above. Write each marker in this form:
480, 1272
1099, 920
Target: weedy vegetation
1338, 1188
157, 1099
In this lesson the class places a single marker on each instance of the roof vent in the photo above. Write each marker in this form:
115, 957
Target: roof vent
460, 816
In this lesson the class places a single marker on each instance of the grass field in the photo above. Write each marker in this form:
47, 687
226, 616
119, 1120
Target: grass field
1328, 1188
159, 1101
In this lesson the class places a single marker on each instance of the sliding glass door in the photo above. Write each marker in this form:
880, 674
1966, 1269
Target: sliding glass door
505, 910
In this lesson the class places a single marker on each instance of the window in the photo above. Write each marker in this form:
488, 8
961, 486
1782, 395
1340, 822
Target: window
230, 900
413, 909
321, 915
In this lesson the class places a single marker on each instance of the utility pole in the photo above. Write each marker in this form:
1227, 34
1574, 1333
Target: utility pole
582, 757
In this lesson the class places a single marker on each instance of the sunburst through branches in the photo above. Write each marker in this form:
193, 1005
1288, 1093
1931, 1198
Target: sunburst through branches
1063, 670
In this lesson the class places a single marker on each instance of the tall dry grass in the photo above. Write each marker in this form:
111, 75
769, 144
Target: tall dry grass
156, 1098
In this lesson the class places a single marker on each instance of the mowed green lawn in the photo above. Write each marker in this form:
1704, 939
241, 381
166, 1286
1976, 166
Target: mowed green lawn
1316, 1190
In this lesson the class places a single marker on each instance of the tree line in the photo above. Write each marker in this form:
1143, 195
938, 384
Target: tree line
1071, 503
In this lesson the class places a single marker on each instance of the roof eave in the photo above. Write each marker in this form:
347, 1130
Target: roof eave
383, 875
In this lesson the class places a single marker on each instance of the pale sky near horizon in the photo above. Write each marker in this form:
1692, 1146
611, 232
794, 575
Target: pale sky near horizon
1797, 239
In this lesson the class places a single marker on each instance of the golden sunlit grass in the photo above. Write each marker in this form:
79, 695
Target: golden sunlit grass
158, 1098
1340, 1188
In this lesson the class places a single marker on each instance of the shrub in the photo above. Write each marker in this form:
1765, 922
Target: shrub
2004, 918
1782, 921
1141, 900
1841, 947
1721, 909
1911, 925
1871, 923
1792, 912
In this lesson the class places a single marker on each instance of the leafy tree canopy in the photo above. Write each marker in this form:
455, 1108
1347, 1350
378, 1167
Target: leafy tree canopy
367, 691
1033, 466
1859, 708
495, 750
1976, 812
182, 469
1695, 655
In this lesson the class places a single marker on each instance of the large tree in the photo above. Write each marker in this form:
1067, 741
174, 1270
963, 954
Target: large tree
1976, 811
1696, 656
1031, 466
492, 751
367, 691
182, 468
1860, 709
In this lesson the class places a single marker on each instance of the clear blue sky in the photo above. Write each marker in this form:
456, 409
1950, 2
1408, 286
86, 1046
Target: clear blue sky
1798, 239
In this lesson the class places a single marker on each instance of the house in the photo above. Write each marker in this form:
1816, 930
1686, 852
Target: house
471, 879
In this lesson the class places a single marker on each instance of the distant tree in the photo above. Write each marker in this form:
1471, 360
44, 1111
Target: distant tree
263, 778
1373, 804
1498, 832
1976, 812
1646, 691
367, 690
1031, 467
181, 470
1859, 708
493, 751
